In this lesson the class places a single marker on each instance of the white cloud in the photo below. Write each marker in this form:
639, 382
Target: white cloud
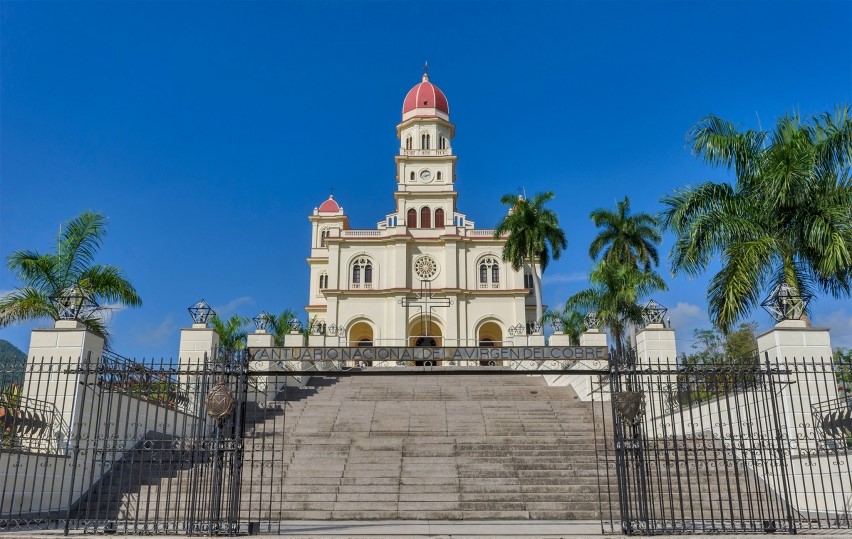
159, 334
108, 311
230, 308
565, 277
4, 293
686, 317
839, 324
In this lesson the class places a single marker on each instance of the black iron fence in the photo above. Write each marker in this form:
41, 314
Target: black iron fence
107, 444
762, 449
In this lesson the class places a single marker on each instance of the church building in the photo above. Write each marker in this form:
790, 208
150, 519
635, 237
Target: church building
425, 276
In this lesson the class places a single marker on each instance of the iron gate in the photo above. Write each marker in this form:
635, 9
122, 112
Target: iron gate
111, 445
753, 445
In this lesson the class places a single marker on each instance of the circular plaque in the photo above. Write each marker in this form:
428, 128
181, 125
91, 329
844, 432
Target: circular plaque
220, 402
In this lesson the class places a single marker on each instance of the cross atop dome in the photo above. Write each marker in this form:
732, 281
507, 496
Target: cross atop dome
329, 206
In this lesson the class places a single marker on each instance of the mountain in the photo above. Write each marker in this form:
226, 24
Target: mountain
9, 351
12, 362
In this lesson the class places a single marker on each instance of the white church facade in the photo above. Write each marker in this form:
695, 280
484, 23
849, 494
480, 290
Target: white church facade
425, 276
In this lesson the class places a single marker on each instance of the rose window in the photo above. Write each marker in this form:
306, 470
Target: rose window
426, 267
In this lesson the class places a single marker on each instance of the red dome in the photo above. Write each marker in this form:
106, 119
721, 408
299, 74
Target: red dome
329, 206
425, 95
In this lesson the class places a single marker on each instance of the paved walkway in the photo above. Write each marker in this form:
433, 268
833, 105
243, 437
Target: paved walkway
480, 529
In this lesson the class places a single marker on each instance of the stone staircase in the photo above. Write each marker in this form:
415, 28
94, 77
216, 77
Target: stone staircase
425, 447
430, 447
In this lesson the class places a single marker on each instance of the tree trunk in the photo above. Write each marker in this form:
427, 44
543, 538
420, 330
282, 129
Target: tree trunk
537, 291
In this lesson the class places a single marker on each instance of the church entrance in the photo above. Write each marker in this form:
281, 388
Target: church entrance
361, 335
490, 335
425, 333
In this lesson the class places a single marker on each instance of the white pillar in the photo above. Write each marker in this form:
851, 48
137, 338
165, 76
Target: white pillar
807, 395
559, 339
593, 337
53, 351
198, 345
656, 351
265, 386
536, 339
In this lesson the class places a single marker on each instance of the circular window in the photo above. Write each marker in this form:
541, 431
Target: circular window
426, 267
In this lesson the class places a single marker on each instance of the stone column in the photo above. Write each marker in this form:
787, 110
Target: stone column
198, 346
559, 338
807, 397
655, 352
53, 351
593, 337
264, 386
536, 339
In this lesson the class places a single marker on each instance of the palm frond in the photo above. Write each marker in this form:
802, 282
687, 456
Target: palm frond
27, 303
79, 241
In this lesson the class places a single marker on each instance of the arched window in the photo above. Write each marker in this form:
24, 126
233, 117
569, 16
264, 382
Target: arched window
425, 217
412, 175
411, 222
425, 141
489, 267
439, 217
362, 273
442, 143
439, 176
408, 142
324, 233
323, 281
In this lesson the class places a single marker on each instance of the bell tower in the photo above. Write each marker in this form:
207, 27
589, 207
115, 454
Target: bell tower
425, 165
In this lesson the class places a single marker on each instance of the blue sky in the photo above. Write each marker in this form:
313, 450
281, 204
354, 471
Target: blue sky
208, 131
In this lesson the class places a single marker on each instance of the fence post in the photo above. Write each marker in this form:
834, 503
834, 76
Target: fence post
808, 398
265, 385
197, 344
58, 364
656, 351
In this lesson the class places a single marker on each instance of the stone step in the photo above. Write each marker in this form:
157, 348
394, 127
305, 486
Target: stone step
417, 447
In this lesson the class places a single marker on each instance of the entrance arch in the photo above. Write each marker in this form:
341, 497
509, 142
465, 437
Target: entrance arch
489, 334
361, 334
423, 332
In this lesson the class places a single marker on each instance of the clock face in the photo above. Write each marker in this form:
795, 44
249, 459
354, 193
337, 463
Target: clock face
425, 175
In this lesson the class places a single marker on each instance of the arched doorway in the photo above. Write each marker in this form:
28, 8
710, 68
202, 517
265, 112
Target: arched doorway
489, 335
361, 335
425, 333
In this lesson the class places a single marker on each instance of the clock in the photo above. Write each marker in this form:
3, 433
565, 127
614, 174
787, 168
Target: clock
425, 175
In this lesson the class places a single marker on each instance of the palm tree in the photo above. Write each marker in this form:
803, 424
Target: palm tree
47, 276
573, 322
615, 296
281, 325
232, 334
625, 238
534, 237
787, 219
